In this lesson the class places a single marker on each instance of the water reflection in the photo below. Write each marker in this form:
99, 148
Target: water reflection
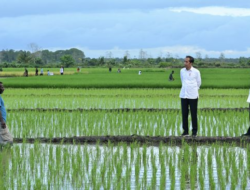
126, 166
5, 160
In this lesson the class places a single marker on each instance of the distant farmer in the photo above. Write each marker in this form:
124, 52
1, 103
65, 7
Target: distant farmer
171, 77
139, 73
191, 82
78, 69
41, 72
48, 73
61, 70
110, 69
26, 74
36, 71
5, 136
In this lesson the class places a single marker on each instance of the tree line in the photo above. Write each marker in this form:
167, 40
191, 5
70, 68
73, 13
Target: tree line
41, 57
76, 57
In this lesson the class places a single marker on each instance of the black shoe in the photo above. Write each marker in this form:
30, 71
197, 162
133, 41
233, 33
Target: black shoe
245, 135
184, 134
194, 135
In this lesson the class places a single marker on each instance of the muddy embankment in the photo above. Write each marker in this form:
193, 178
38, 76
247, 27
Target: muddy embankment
153, 140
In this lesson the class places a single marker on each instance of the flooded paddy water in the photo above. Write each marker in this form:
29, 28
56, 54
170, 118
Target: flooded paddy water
123, 166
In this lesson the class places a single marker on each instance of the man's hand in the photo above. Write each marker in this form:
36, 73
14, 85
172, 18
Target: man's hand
3, 124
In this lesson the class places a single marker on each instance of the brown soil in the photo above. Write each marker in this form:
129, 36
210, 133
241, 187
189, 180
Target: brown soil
155, 140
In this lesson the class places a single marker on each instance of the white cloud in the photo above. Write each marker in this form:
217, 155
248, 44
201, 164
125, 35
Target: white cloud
157, 31
174, 51
216, 11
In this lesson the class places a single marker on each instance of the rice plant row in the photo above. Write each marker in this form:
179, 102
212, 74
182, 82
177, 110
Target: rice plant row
45, 166
129, 78
32, 124
13, 102
118, 92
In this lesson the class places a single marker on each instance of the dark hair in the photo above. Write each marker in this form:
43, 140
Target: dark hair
191, 59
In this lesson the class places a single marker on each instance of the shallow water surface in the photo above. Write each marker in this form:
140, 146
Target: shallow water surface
124, 166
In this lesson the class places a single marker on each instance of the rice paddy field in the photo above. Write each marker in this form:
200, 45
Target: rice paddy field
128, 78
116, 111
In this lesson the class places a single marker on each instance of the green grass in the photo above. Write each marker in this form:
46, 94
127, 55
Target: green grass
129, 78
119, 98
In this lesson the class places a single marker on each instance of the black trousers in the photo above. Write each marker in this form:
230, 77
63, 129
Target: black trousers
193, 103
248, 131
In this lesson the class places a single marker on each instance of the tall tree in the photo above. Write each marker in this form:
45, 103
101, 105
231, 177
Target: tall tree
127, 54
35, 51
24, 57
67, 60
125, 59
101, 61
76, 54
142, 55
198, 56
222, 57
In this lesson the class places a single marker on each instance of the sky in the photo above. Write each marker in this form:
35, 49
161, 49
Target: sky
116, 28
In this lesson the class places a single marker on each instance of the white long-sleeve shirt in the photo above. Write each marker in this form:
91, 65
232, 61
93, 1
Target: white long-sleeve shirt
191, 82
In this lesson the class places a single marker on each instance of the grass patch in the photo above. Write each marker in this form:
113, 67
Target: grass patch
129, 78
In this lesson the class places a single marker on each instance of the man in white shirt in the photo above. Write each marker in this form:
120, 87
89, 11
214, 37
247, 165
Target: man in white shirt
191, 82
61, 70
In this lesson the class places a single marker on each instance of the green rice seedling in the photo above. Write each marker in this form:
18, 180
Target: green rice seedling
193, 174
97, 124
154, 168
145, 176
163, 176
65, 166
184, 174
117, 98
173, 179
137, 168
128, 176
244, 180
171, 167
233, 182
201, 179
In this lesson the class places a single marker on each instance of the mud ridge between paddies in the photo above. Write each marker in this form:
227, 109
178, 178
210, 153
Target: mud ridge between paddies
151, 140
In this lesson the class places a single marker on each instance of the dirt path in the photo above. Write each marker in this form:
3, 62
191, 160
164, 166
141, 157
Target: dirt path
171, 140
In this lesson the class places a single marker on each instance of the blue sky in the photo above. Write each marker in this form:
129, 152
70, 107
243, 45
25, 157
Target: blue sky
98, 27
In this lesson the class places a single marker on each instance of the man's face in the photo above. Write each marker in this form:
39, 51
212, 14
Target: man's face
187, 63
1, 88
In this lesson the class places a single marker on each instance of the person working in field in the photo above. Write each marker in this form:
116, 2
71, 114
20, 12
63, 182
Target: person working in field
36, 71
191, 82
61, 70
41, 72
26, 73
5, 136
171, 77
